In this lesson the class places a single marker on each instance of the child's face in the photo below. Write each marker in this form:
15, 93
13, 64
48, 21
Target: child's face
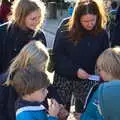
40, 95
102, 73
105, 76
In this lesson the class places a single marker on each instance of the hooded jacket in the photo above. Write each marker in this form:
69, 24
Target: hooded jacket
104, 103
12, 40
109, 100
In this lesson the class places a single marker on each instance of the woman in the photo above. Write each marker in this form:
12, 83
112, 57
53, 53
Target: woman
77, 46
24, 26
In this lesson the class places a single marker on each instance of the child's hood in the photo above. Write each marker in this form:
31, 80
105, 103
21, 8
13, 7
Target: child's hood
109, 96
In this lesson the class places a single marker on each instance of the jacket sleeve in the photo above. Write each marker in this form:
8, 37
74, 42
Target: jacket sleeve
43, 39
0, 52
115, 36
40, 36
106, 40
2, 41
63, 63
92, 111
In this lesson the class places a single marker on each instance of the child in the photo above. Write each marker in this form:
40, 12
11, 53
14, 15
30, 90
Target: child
35, 55
31, 86
104, 103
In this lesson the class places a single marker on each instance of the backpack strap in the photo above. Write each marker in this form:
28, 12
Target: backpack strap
90, 94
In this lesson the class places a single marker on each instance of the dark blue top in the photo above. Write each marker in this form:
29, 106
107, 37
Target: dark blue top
69, 57
12, 40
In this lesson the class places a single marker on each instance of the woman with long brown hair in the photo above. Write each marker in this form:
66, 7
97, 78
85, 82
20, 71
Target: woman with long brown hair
79, 41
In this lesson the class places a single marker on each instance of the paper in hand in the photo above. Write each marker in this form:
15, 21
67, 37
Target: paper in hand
94, 77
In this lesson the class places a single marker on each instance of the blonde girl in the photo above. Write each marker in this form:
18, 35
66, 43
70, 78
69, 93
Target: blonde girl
33, 54
23, 26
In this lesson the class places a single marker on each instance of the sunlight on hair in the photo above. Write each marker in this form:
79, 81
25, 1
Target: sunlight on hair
101, 5
117, 50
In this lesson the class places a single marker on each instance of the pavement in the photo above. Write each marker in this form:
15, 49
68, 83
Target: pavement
50, 27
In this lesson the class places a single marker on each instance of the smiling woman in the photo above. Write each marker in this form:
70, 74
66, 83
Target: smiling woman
24, 25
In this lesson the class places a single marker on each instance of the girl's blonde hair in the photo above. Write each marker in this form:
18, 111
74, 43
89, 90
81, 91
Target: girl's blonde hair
109, 61
33, 54
21, 8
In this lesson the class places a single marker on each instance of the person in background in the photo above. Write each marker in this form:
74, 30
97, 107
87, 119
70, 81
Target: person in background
115, 36
5, 10
118, 15
112, 17
103, 103
24, 26
77, 45
70, 8
114, 6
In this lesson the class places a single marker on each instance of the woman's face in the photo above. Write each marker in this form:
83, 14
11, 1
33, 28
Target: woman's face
33, 19
88, 21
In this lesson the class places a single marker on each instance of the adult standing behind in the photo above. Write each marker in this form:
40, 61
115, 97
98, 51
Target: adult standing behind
77, 46
23, 26
115, 36
5, 10
112, 17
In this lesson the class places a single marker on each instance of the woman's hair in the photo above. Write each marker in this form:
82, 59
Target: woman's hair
29, 80
22, 8
81, 8
33, 54
109, 61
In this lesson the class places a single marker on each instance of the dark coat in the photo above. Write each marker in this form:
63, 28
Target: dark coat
12, 39
70, 57
115, 36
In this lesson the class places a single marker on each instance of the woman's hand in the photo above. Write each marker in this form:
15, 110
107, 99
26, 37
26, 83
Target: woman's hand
82, 74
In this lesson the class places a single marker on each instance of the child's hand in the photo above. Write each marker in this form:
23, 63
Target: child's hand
54, 107
63, 113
